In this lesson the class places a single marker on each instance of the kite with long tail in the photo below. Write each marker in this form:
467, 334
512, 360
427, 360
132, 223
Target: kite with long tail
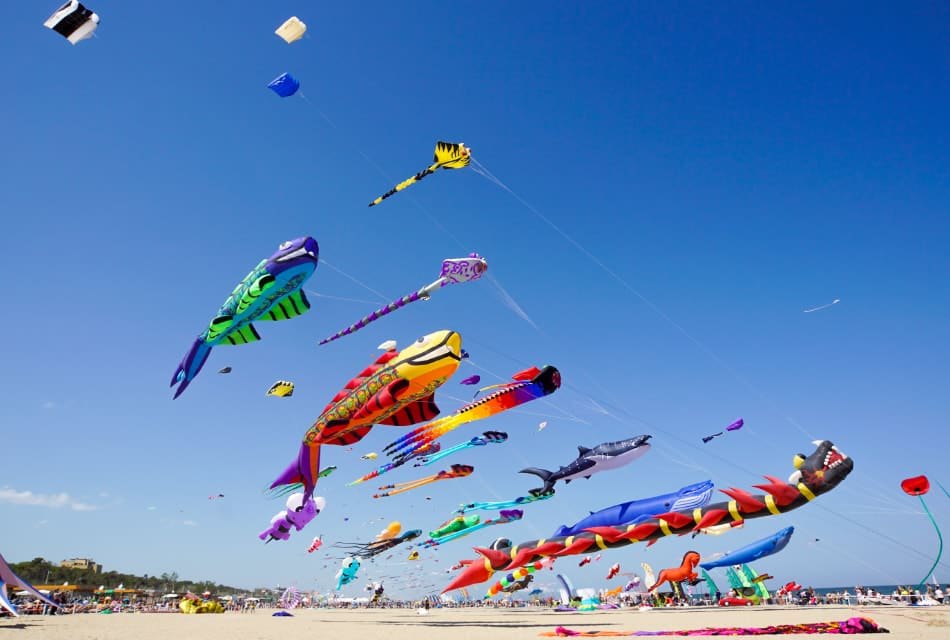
506, 516
529, 385
457, 471
488, 437
432, 448
454, 271
918, 486
448, 155
432, 454
534, 495
815, 475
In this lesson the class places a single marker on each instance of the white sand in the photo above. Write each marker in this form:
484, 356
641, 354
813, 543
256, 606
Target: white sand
455, 624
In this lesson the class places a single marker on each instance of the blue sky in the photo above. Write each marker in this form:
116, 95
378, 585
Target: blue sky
706, 175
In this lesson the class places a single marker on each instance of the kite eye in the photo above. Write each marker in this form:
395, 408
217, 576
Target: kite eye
285, 245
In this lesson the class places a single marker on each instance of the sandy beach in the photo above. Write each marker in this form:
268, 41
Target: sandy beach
455, 624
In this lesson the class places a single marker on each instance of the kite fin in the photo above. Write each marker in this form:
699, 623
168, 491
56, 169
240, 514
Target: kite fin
244, 335
421, 410
219, 325
583, 451
303, 471
190, 365
385, 397
290, 306
544, 474
343, 435
253, 292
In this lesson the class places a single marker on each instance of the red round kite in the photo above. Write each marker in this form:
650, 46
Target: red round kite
916, 486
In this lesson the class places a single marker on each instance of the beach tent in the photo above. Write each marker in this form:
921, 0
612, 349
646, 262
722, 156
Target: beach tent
9, 579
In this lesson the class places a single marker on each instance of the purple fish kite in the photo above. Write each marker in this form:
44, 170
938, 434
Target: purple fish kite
471, 380
454, 270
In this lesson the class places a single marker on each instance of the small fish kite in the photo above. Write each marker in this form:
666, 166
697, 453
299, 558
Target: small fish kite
272, 291
534, 495
325, 472
542, 425
225, 370
372, 455
470, 524
448, 155
456, 471
454, 271
316, 544
471, 380
735, 426
586, 560
281, 389
824, 306
488, 437
413, 556
215, 497
529, 385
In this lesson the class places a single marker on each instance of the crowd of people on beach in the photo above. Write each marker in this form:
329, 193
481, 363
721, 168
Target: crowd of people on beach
934, 595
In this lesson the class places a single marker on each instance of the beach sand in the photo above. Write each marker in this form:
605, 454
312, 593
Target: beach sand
455, 624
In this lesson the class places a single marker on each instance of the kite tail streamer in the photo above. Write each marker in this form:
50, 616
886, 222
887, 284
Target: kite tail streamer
379, 313
406, 183
939, 550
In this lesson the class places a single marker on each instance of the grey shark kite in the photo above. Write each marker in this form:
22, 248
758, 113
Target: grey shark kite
603, 457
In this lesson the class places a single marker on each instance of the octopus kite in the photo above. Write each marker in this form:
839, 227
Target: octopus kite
376, 547
816, 474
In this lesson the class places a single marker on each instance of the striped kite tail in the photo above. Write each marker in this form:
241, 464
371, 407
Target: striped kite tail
376, 315
405, 183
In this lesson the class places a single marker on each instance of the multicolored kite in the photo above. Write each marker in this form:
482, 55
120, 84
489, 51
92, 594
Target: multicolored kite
448, 155
397, 389
530, 384
272, 291
456, 471
534, 495
816, 474
454, 271
470, 524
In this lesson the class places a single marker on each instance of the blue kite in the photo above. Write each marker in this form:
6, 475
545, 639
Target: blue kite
284, 85
272, 291
689, 497
758, 549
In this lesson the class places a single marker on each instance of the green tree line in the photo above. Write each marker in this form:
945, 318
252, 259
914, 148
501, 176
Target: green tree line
41, 571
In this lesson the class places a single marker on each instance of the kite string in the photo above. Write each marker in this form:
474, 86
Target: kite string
653, 306
349, 277
342, 299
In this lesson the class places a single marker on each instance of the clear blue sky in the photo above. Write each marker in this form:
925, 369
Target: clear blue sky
732, 165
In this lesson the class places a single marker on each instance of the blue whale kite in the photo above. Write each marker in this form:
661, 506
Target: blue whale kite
272, 291
758, 549
689, 497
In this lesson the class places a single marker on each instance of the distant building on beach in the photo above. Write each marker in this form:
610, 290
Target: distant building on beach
87, 564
